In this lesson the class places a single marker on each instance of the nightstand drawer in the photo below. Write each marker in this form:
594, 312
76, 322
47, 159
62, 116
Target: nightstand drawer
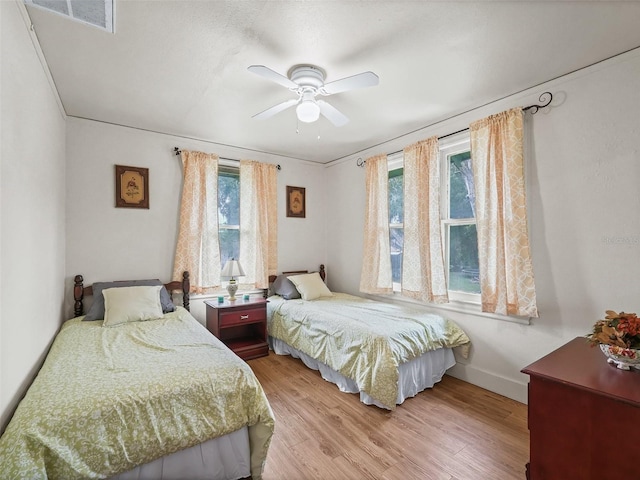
244, 316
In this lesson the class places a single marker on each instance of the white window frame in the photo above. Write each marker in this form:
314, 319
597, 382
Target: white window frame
452, 146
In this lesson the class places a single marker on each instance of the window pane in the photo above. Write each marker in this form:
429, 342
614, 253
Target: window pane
464, 273
396, 240
59, 6
228, 198
461, 190
396, 201
229, 244
90, 11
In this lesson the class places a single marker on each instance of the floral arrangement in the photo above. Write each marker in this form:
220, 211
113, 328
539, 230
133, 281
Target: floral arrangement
620, 330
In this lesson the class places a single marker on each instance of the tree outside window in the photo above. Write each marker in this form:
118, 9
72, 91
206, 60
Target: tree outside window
229, 213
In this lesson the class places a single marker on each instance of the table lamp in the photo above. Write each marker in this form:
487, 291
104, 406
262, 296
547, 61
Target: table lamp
232, 269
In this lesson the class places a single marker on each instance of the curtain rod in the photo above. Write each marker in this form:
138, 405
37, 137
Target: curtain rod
177, 151
534, 109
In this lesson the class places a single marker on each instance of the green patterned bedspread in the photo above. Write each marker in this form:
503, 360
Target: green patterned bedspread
362, 339
109, 399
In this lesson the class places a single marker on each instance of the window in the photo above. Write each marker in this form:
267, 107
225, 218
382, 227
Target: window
99, 13
228, 212
457, 204
458, 221
396, 208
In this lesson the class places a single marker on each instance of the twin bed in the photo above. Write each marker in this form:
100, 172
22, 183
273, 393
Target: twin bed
127, 399
138, 389
384, 352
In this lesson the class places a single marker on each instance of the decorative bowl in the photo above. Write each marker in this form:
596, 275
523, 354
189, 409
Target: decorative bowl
623, 358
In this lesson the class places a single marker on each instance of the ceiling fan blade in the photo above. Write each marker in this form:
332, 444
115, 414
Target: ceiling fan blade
332, 114
361, 80
270, 112
272, 75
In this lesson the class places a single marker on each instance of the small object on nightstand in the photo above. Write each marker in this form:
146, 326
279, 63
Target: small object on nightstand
246, 297
232, 269
220, 299
241, 326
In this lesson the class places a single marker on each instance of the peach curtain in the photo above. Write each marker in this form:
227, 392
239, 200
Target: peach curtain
197, 250
506, 271
423, 276
375, 276
258, 222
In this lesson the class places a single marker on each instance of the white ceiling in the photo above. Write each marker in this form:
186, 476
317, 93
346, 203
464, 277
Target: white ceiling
180, 67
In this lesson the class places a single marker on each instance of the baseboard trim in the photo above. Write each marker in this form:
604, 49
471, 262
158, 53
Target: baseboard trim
490, 381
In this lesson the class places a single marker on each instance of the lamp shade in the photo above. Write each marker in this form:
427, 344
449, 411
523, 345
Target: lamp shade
232, 269
308, 111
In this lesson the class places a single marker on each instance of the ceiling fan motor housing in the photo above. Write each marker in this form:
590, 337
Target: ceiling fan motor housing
307, 77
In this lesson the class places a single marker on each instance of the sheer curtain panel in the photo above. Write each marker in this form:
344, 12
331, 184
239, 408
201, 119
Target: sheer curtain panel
376, 255
506, 272
423, 276
197, 250
258, 222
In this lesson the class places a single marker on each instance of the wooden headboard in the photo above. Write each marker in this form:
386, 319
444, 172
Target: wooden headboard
323, 274
80, 291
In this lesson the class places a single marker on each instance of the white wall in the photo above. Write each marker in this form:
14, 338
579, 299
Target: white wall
32, 211
583, 190
108, 243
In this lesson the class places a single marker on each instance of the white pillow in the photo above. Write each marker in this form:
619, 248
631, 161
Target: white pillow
131, 304
310, 286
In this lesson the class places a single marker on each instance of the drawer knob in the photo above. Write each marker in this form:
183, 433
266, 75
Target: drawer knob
244, 317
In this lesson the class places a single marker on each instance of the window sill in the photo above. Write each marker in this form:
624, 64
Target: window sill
469, 308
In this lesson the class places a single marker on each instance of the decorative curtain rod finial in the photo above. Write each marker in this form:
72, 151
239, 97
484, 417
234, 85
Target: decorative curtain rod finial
177, 150
543, 100
360, 162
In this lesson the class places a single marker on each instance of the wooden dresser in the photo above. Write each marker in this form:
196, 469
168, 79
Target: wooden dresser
584, 416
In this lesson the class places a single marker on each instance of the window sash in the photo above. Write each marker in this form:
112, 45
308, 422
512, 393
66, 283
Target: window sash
226, 253
453, 146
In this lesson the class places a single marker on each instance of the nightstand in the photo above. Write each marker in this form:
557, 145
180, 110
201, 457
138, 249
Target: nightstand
241, 325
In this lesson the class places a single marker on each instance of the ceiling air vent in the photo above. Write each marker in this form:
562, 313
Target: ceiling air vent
99, 13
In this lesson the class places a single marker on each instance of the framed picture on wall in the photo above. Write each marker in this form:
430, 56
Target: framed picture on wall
132, 187
296, 206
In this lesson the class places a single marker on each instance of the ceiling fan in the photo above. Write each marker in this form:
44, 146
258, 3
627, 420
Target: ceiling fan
307, 81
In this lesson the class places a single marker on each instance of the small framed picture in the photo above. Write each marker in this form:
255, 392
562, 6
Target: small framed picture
132, 187
296, 206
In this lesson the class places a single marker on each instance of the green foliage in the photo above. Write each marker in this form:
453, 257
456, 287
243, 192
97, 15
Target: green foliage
229, 197
461, 194
229, 213
396, 196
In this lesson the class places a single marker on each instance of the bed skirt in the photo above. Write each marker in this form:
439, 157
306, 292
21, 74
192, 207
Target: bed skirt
222, 458
415, 376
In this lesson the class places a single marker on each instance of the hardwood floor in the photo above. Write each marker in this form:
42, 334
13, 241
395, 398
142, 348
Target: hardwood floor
452, 431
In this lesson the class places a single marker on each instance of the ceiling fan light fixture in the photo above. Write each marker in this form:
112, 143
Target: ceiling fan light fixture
308, 111
307, 81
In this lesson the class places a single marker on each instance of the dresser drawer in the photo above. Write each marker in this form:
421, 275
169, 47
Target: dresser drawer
244, 316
